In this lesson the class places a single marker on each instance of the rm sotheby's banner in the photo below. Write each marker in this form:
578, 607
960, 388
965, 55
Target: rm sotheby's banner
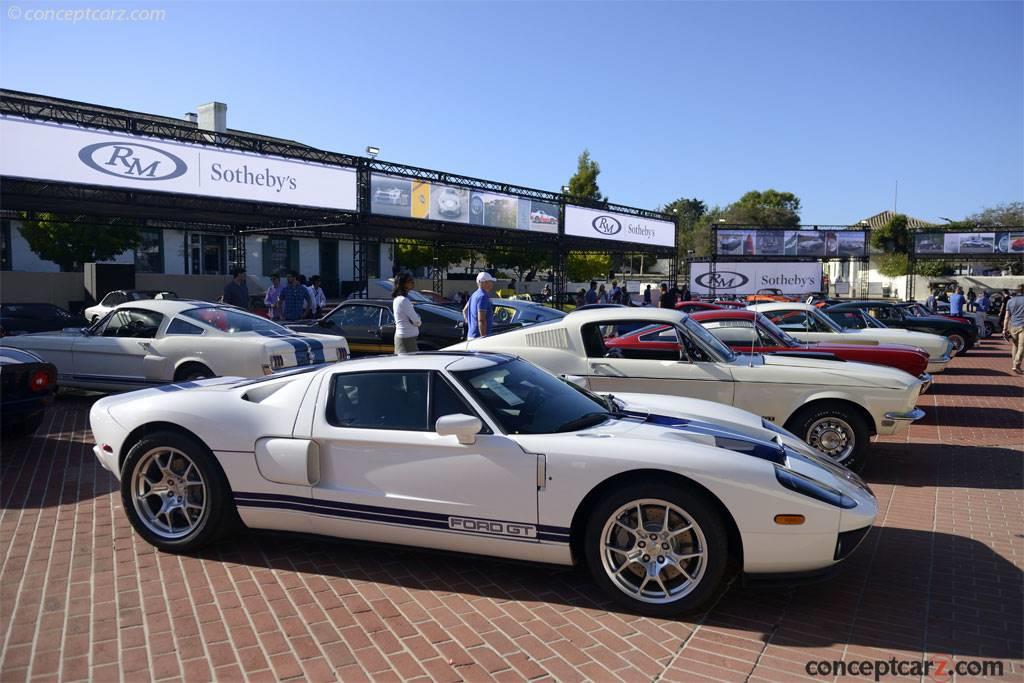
747, 278
71, 154
619, 227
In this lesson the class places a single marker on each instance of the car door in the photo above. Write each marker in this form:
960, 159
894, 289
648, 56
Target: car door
360, 324
386, 475
113, 353
690, 374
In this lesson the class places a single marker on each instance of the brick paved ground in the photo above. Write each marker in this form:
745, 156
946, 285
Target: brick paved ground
82, 597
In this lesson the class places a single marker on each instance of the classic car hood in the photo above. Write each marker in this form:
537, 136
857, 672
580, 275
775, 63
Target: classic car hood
837, 372
936, 345
830, 347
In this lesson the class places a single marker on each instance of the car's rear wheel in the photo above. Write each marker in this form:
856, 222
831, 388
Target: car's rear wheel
959, 343
657, 549
174, 492
834, 430
190, 372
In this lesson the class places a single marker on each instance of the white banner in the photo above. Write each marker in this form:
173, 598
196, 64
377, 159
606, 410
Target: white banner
619, 227
747, 278
66, 153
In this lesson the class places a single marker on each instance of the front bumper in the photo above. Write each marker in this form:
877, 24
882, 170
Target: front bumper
909, 416
937, 365
926, 380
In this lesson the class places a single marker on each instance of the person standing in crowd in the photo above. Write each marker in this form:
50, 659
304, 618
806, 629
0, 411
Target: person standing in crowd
407, 321
984, 303
602, 296
272, 295
647, 296
236, 292
581, 297
931, 302
616, 296
684, 295
591, 296
971, 298
294, 299
317, 296
479, 312
1013, 328
666, 300
956, 302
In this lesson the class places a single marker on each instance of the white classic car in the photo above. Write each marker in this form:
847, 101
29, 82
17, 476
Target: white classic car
833, 405
486, 454
808, 323
123, 296
147, 343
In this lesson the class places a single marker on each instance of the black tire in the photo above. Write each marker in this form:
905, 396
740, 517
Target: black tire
701, 511
959, 343
991, 328
218, 513
190, 372
820, 415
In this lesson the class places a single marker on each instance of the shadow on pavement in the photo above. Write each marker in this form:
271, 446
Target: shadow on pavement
946, 466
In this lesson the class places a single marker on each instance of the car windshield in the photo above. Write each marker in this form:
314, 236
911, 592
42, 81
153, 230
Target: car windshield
709, 341
232, 320
824, 320
776, 331
524, 399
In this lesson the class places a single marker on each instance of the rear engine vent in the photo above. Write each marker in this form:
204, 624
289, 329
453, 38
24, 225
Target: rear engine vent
550, 339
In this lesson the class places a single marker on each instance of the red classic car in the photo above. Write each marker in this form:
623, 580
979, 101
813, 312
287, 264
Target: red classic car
752, 332
697, 306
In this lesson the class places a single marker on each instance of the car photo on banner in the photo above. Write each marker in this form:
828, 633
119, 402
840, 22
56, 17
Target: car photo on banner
850, 243
770, 243
390, 196
977, 243
737, 243
449, 204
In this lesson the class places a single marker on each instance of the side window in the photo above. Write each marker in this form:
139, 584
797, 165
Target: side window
386, 317
379, 400
664, 334
848, 319
179, 326
363, 317
444, 400
133, 323
503, 315
794, 321
733, 332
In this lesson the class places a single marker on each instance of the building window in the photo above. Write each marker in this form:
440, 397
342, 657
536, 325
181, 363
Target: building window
5, 245
280, 255
207, 254
149, 254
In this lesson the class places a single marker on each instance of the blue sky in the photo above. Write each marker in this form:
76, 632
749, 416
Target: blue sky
832, 101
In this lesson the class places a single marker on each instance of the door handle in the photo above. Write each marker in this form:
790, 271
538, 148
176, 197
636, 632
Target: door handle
145, 345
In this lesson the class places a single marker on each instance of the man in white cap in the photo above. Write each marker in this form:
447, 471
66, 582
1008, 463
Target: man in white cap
479, 312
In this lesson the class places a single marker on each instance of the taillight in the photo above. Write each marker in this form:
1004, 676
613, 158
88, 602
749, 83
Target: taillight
276, 362
40, 380
342, 353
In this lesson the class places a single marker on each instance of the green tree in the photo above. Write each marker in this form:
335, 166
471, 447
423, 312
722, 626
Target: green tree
588, 266
893, 238
521, 261
768, 207
1009, 215
688, 213
412, 254
70, 244
583, 184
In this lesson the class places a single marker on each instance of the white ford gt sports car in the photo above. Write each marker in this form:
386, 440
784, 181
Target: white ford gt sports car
833, 405
148, 343
808, 323
486, 454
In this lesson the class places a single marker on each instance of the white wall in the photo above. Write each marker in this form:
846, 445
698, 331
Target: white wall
174, 252
309, 256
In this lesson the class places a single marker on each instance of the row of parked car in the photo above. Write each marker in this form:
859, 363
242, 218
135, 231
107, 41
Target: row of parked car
663, 449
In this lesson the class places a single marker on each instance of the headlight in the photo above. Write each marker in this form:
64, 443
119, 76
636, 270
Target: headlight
813, 489
276, 362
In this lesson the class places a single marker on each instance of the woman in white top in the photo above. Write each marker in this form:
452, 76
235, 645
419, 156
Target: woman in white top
407, 321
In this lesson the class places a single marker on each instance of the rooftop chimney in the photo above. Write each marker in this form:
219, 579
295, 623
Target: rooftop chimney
213, 116
191, 117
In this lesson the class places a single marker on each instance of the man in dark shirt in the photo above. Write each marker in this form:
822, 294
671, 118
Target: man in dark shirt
591, 296
668, 299
294, 299
236, 292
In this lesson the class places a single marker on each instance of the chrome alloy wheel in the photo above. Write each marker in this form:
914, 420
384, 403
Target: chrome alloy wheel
832, 436
958, 343
168, 492
653, 551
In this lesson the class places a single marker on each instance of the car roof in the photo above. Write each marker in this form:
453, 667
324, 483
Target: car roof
171, 306
741, 314
777, 305
422, 360
584, 315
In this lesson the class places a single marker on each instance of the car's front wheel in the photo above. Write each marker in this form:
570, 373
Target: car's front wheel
174, 493
959, 343
657, 549
835, 430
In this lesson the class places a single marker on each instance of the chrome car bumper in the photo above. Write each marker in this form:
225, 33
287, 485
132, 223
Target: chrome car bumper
926, 380
909, 416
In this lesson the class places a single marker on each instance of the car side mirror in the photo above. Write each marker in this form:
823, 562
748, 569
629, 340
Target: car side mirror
463, 427
578, 380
